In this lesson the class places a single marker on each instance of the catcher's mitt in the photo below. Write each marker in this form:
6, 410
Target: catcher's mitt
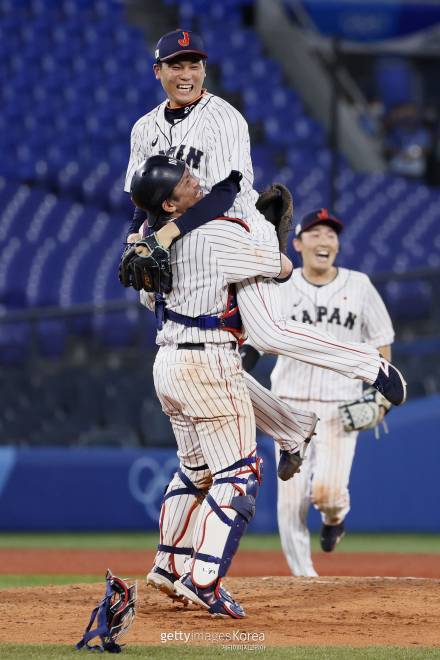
151, 273
364, 413
276, 204
114, 615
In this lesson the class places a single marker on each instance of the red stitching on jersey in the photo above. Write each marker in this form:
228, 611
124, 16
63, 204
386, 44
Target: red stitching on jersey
238, 221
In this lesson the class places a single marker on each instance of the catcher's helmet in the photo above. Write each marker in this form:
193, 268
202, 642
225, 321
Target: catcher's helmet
153, 182
114, 615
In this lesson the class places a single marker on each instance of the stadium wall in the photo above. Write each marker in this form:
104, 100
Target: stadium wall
394, 482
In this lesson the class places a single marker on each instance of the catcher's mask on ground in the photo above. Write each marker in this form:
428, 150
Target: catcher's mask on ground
153, 183
114, 614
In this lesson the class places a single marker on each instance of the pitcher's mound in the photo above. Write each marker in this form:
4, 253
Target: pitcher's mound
281, 611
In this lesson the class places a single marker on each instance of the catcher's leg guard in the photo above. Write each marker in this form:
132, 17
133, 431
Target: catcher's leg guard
180, 507
223, 519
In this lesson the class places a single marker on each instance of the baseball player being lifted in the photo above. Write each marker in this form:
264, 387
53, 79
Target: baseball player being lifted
212, 138
199, 381
154, 187
345, 303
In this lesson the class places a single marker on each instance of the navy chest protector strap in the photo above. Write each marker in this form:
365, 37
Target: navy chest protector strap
229, 320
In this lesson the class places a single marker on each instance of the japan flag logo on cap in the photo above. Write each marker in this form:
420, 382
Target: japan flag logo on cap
185, 41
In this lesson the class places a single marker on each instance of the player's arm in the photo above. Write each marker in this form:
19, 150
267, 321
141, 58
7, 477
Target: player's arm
138, 219
237, 256
148, 300
213, 205
137, 156
377, 327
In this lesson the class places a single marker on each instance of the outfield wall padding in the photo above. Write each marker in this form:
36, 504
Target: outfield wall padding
394, 484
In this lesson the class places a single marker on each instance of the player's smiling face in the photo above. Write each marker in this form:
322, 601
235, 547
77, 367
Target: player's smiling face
318, 247
187, 193
182, 80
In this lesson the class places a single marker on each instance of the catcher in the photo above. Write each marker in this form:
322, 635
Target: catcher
345, 303
145, 263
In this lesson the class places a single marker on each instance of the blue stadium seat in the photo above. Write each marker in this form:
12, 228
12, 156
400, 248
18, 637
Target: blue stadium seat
390, 222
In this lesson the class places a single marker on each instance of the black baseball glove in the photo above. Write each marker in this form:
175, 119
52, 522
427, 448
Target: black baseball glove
151, 273
276, 204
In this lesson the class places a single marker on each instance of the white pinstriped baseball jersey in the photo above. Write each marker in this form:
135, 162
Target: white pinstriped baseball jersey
349, 308
213, 139
203, 264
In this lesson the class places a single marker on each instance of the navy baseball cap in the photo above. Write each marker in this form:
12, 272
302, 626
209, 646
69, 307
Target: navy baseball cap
319, 217
179, 42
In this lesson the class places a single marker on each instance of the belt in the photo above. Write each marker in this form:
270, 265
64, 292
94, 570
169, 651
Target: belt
201, 347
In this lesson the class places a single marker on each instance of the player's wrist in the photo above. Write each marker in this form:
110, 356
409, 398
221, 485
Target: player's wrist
286, 269
166, 235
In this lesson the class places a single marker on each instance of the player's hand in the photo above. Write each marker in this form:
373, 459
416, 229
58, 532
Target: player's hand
286, 268
142, 250
148, 265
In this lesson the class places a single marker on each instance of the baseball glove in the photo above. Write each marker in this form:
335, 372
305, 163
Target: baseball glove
151, 273
364, 413
276, 204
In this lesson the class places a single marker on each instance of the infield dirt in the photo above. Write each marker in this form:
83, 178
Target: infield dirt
246, 563
281, 611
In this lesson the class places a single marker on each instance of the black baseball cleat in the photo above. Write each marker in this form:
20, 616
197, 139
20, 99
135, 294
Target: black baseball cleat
289, 464
291, 461
331, 535
390, 383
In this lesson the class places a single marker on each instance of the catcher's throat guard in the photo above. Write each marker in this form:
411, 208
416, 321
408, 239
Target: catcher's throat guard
114, 615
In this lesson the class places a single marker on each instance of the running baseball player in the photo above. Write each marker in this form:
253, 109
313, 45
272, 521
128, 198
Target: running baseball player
199, 381
213, 138
345, 303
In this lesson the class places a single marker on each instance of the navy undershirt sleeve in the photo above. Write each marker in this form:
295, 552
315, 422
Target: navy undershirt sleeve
213, 205
139, 217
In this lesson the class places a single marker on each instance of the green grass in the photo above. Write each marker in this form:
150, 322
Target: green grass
59, 652
10, 581
423, 543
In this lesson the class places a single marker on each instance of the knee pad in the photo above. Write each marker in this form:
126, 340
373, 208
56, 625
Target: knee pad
179, 511
223, 519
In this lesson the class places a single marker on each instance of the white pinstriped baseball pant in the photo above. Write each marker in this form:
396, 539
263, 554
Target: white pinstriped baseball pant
323, 482
205, 395
261, 308
211, 407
